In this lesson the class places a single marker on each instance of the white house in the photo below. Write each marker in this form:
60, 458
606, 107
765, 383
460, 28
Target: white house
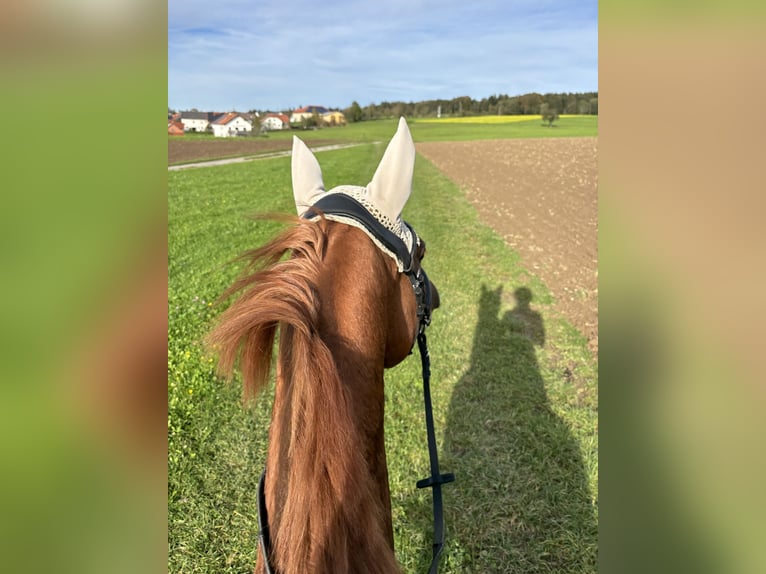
195, 121
273, 122
231, 124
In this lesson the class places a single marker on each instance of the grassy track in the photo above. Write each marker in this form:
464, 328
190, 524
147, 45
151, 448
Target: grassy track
516, 419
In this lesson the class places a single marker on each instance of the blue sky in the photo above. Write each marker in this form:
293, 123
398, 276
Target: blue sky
281, 54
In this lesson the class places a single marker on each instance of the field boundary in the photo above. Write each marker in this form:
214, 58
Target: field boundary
270, 155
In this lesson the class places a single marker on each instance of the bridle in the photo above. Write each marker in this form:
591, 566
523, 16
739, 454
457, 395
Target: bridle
346, 207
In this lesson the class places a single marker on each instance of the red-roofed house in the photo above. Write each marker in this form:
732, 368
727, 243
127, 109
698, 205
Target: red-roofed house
272, 122
175, 128
231, 124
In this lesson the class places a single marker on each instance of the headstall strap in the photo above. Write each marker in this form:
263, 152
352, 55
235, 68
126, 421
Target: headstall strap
341, 204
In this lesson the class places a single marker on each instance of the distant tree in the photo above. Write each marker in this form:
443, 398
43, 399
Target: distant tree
530, 103
461, 105
549, 114
354, 113
571, 104
311, 121
594, 106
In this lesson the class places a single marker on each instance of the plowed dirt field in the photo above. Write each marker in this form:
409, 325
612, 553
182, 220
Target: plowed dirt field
541, 196
187, 149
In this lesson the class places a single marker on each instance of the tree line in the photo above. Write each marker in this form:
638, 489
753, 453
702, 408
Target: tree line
502, 104
549, 105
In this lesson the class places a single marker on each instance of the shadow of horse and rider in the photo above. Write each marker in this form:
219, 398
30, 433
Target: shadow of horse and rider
521, 501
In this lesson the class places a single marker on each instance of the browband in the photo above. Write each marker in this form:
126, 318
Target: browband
343, 205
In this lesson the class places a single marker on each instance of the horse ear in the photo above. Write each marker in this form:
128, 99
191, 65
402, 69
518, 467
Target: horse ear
391, 185
307, 176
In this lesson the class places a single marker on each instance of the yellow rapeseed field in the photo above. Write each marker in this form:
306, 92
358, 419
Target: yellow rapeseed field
487, 119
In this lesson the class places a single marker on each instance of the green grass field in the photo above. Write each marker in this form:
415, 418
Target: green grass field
514, 390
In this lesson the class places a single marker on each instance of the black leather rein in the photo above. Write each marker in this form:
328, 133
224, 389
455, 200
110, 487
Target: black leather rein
346, 206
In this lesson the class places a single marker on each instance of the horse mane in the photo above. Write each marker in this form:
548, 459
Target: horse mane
330, 517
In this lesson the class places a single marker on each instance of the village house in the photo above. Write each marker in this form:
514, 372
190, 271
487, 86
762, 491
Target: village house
198, 121
273, 122
175, 128
334, 119
231, 124
306, 112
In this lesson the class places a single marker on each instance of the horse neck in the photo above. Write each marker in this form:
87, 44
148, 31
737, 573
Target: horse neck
327, 480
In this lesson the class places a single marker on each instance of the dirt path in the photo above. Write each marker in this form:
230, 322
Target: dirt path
541, 196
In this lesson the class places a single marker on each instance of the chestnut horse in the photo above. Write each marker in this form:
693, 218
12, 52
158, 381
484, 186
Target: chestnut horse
346, 310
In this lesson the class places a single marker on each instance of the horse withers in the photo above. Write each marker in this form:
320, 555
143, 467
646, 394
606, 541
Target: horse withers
349, 301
